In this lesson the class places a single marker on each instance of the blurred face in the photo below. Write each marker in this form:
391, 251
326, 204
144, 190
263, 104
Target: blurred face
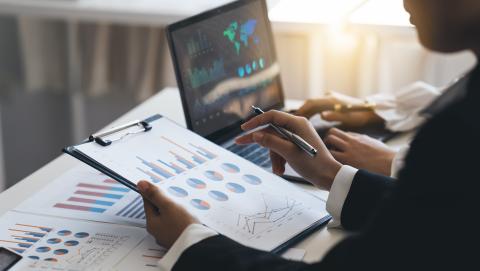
446, 25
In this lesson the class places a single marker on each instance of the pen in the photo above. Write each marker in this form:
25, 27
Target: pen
295, 139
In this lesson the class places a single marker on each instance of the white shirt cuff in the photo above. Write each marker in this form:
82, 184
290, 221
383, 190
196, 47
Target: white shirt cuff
189, 237
399, 161
338, 194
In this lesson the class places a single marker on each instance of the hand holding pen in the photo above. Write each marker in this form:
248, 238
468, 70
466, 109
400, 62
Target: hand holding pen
319, 169
294, 138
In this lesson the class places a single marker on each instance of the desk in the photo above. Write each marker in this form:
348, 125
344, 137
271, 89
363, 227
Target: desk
167, 103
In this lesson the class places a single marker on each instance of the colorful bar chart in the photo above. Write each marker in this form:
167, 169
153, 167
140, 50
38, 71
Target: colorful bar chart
155, 178
196, 158
133, 210
173, 166
94, 197
24, 236
104, 187
99, 194
156, 168
182, 160
204, 152
79, 208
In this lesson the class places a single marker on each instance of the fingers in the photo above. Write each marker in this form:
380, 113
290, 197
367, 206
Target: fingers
335, 116
275, 143
339, 156
153, 194
340, 134
278, 163
245, 139
282, 119
307, 110
315, 106
336, 142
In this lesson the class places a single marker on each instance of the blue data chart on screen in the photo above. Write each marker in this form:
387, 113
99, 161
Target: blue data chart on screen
242, 34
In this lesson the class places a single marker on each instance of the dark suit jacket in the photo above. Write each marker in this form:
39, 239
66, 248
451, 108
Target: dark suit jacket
427, 220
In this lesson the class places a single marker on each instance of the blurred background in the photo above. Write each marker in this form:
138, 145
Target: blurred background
69, 67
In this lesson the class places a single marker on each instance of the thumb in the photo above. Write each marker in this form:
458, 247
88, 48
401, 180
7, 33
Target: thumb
275, 143
151, 192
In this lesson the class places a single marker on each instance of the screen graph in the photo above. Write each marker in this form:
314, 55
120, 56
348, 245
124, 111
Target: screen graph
200, 76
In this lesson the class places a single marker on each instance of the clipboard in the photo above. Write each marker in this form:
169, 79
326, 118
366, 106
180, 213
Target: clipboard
100, 138
134, 130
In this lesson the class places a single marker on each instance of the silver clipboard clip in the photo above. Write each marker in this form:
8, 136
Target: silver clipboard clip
101, 140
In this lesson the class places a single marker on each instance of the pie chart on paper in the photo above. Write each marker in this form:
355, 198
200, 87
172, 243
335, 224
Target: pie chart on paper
200, 204
235, 188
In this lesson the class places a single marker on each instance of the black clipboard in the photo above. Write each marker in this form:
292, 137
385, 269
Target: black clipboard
100, 138
144, 126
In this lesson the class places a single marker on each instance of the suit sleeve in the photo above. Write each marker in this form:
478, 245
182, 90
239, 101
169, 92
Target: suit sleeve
365, 194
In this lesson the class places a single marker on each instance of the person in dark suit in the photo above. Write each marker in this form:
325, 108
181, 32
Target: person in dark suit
425, 220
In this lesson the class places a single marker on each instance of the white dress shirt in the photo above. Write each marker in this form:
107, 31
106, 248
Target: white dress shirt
402, 110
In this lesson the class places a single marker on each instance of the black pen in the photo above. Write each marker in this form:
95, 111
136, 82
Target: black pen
295, 139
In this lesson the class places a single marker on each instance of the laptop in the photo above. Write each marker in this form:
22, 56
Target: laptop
225, 62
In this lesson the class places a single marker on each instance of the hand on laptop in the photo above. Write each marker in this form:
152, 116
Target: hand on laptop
360, 151
319, 170
323, 106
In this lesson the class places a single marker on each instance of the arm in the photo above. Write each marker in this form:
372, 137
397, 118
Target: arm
364, 197
366, 192
167, 221
399, 111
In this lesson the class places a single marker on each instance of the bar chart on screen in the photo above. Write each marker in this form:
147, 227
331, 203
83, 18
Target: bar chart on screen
87, 194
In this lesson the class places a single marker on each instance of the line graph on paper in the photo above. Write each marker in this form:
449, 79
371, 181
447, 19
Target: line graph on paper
276, 211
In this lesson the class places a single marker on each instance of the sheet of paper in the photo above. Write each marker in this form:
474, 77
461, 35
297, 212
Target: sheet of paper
48, 243
144, 257
84, 193
226, 192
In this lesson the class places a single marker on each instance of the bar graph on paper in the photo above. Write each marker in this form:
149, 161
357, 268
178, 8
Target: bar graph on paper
84, 193
93, 197
88, 194
183, 158
23, 236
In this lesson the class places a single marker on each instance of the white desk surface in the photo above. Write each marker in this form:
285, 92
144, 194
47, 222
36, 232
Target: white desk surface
167, 103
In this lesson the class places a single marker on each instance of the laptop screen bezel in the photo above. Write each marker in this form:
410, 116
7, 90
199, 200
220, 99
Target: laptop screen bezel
229, 131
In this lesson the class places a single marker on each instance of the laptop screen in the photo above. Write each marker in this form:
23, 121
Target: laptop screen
225, 62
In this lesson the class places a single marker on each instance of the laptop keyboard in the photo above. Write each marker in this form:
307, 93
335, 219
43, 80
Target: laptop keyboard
254, 153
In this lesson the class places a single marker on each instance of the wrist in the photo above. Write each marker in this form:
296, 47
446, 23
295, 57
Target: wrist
328, 174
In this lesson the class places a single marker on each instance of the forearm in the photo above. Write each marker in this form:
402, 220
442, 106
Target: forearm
364, 197
220, 253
